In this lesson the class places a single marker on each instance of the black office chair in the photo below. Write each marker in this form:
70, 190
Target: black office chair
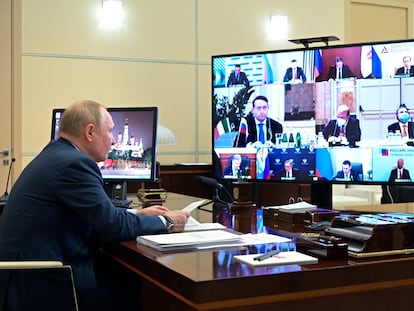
36, 285
358, 169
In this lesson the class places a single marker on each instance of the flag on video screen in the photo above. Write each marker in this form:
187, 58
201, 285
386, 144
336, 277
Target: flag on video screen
268, 72
370, 62
323, 164
223, 126
243, 126
262, 163
317, 70
384, 152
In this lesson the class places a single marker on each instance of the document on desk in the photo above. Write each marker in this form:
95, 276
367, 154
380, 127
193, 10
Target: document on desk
190, 240
192, 206
194, 225
280, 259
299, 207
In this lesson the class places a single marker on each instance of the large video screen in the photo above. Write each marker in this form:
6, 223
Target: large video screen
326, 114
132, 157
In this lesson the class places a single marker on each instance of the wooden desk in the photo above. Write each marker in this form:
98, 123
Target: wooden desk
212, 280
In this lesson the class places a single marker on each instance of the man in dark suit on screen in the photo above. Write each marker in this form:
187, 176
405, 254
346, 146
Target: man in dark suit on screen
403, 125
345, 130
260, 129
399, 173
339, 70
294, 74
347, 173
407, 70
238, 77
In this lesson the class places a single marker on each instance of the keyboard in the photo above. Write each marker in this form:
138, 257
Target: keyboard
121, 203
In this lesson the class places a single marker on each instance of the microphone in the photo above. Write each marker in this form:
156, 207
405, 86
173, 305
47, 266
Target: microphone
5, 196
211, 182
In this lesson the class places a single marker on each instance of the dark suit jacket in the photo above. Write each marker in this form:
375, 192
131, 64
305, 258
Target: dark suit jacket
346, 72
228, 170
299, 74
401, 71
352, 130
273, 127
282, 175
58, 207
242, 79
394, 127
393, 175
353, 174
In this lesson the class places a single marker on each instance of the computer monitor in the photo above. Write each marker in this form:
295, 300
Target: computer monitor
306, 90
133, 156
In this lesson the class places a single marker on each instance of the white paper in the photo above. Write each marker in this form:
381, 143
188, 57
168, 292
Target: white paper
263, 238
192, 206
188, 240
283, 258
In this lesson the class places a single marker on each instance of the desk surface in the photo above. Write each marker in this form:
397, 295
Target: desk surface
213, 280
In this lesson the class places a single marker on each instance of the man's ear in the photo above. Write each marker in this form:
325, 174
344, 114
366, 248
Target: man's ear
89, 131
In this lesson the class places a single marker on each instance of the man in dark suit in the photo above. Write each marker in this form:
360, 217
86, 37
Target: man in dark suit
339, 70
235, 168
403, 125
260, 128
406, 70
58, 209
238, 77
288, 172
294, 74
344, 130
399, 173
347, 173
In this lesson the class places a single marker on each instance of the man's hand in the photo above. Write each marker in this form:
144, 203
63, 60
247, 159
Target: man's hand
153, 210
180, 219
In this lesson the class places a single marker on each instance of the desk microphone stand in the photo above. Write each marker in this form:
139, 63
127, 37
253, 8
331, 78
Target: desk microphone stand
215, 199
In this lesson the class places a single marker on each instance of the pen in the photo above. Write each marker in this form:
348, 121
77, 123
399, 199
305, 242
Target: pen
267, 255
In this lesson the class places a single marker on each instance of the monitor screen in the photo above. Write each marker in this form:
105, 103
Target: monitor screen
327, 114
133, 156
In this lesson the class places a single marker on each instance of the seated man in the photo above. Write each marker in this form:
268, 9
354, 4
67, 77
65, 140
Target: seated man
399, 173
235, 169
260, 128
288, 172
347, 173
294, 74
344, 130
403, 125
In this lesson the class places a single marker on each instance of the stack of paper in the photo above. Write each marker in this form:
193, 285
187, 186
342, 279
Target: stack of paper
283, 258
299, 207
191, 240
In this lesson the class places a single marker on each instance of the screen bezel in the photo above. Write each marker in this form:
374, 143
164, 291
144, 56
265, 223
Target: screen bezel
151, 148
217, 167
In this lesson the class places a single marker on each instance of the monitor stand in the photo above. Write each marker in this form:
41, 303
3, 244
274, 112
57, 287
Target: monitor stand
116, 190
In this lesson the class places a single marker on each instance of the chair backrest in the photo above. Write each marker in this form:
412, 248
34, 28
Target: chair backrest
358, 169
37, 285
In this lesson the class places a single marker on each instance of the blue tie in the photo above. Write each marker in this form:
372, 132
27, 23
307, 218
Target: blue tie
261, 133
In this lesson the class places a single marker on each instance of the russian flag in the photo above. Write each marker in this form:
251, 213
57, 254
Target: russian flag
262, 163
370, 62
384, 152
318, 67
243, 126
